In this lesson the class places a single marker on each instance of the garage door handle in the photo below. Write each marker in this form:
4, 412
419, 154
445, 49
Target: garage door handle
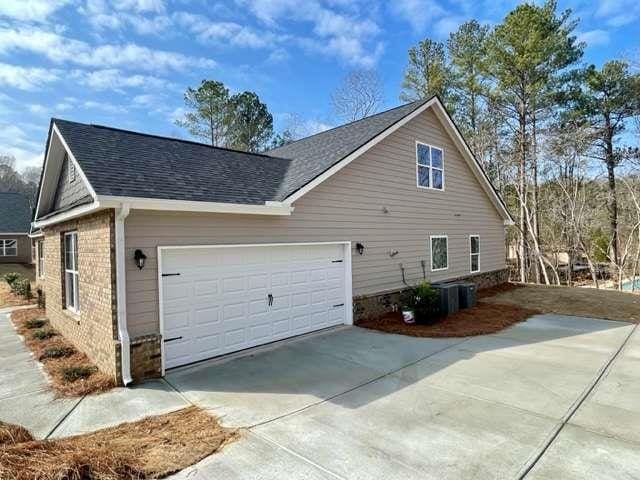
172, 339
270, 299
170, 274
339, 305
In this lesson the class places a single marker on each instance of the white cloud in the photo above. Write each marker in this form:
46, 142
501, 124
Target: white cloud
594, 37
60, 49
104, 106
25, 78
418, 13
114, 79
231, 33
446, 25
16, 142
348, 35
30, 10
617, 13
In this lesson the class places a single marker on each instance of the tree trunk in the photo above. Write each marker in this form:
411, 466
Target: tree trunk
612, 203
534, 197
524, 254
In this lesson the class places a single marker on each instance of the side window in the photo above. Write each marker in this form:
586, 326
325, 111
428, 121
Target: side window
40, 255
8, 248
71, 280
429, 166
474, 249
439, 252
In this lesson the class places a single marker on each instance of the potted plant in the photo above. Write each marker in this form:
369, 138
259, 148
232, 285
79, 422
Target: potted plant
408, 304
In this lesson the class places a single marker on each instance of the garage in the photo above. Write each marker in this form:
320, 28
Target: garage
216, 300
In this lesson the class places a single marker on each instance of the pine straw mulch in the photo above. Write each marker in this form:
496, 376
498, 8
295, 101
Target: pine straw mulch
482, 319
149, 448
10, 299
96, 381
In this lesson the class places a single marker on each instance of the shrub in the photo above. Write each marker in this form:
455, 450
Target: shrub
44, 333
35, 323
11, 277
57, 351
22, 287
71, 374
423, 300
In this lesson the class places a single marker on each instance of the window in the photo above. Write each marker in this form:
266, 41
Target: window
8, 248
439, 252
474, 249
72, 170
71, 300
429, 166
40, 257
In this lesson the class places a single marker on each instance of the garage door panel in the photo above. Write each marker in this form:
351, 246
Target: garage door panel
219, 303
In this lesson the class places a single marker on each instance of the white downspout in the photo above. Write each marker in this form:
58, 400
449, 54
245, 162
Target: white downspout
121, 286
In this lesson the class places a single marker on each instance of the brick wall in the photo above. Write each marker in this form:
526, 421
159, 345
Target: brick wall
94, 329
146, 361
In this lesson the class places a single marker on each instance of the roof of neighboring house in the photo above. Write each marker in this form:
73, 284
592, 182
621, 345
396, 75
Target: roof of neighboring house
130, 164
15, 213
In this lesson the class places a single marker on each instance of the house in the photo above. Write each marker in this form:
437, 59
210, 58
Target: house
161, 252
15, 222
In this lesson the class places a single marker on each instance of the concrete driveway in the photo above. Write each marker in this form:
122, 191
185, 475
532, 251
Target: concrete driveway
553, 397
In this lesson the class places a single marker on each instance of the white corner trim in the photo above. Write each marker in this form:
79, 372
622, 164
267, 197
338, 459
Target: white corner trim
351, 157
121, 296
68, 215
269, 208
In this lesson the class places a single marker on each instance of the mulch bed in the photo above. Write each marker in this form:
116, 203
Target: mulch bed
149, 448
482, 319
95, 382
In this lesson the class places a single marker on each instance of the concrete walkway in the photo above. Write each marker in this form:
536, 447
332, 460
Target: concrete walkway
554, 397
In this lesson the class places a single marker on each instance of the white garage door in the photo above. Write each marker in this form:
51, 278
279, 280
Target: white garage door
217, 300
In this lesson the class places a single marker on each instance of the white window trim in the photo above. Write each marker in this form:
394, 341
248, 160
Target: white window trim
431, 238
3, 247
74, 273
40, 257
471, 254
430, 167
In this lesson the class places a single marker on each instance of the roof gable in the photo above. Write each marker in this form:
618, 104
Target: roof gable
15, 213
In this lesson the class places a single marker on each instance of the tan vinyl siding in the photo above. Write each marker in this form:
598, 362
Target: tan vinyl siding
348, 206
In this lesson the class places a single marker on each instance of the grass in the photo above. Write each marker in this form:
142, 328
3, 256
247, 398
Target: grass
35, 323
70, 371
149, 448
482, 319
581, 302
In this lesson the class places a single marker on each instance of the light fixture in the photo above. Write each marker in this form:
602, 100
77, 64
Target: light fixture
360, 248
139, 257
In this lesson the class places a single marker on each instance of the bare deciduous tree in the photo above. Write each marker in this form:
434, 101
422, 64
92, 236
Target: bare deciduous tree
360, 94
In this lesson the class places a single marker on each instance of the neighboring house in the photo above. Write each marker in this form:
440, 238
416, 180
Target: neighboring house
162, 252
15, 223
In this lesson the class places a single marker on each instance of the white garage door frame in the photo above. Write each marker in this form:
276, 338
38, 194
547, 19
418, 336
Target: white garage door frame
347, 281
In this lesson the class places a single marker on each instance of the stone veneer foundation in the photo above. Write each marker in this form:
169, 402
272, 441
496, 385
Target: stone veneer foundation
373, 306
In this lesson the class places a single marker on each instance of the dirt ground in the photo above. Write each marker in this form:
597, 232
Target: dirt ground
149, 448
581, 302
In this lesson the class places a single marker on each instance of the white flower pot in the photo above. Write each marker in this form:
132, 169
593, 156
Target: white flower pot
408, 317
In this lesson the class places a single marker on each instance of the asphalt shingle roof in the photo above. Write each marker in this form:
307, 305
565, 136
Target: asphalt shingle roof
15, 213
123, 163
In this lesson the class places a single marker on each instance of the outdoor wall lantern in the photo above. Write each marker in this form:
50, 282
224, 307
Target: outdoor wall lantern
360, 248
139, 257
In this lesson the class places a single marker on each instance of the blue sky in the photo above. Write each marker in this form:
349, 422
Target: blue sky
126, 63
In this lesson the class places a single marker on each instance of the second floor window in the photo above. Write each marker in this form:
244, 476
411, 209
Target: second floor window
429, 166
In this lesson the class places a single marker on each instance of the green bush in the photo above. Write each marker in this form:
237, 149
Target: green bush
423, 300
35, 323
11, 277
57, 351
22, 287
44, 333
71, 374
